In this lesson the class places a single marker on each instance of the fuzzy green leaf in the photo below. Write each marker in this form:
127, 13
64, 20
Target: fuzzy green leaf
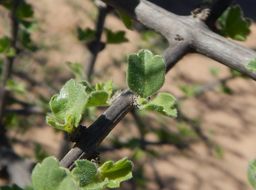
233, 23
252, 173
163, 103
50, 176
146, 73
98, 98
96, 185
115, 37
84, 172
116, 172
106, 86
68, 106
252, 65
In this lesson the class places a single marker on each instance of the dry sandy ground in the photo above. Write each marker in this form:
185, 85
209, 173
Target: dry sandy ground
227, 119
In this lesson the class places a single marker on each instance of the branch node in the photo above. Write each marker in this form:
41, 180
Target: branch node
178, 38
201, 13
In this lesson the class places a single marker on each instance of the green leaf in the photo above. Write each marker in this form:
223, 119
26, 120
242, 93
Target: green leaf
86, 34
84, 172
126, 19
116, 172
98, 98
106, 86
115, 37
6, 3
252, 173
24, 11
26, 29
13, 86
233, 23
77, 70
146, 73
163, 103
49, 175
12, 187
68, 106
252, 65
215, 71
5, 44
39, 152
100, 94
189, 90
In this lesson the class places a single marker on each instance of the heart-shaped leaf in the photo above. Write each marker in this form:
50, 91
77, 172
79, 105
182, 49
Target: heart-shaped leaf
68, 106
163, 103
146, 73
252, 173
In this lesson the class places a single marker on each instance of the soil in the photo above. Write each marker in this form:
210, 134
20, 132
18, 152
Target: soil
227, 120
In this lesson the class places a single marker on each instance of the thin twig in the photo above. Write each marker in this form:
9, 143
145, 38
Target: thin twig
96, 46
7, 70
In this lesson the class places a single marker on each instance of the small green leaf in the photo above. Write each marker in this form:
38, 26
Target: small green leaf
189, 90
116, 172
13, 86
146, 73
106, 86
98, 98
163, 103
5, 44
126, 19
219, 151
215, 71
84, 172
252, 65
77, 70
6, 3
49, 175
40, 153
115, 37
86, 34
252, 173
68, 106
24, 11
233, 23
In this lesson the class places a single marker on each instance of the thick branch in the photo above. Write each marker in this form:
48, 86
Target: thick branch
192, 30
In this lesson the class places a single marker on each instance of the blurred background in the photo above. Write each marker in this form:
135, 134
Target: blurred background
207, 147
